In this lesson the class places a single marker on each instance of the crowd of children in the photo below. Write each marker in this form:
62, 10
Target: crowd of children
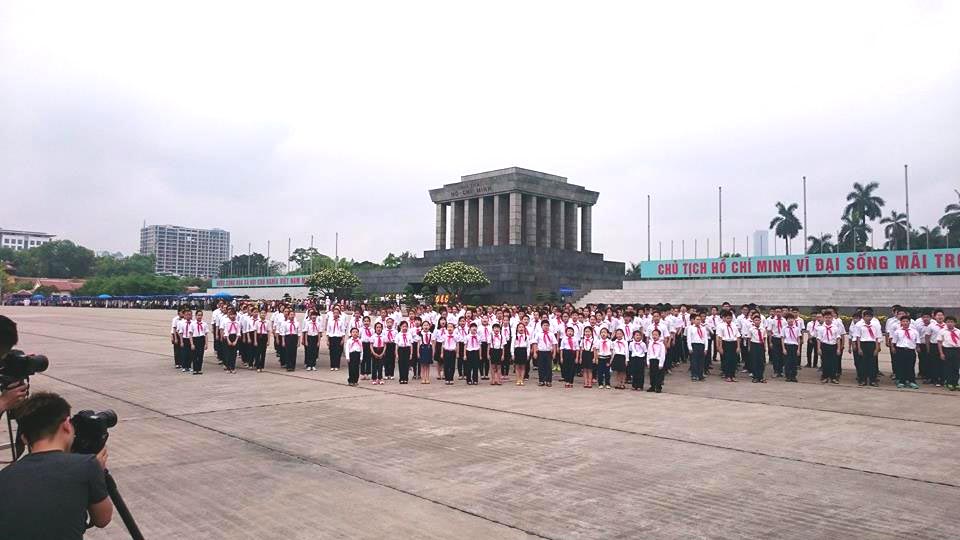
622, 345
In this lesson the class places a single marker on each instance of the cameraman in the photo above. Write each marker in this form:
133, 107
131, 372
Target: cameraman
15, 393
49, 492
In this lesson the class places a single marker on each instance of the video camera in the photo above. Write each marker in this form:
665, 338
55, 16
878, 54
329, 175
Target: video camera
17, 366
90, 430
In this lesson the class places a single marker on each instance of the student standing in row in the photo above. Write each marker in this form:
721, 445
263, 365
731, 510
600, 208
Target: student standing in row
585, 358
175, 338
698, 338
378, 348
545, 348
472, 349
495, 349
261, 339
290, 337
184, 348
791, 342
638, 360
354, 350
310, 340
404, 346
426, 348
813, 330
231, 339
336, 329
390, 355
520, 350
604, 355
830, 343
568, 356
657, 358
905, 356
758, 359
199, 337
867, 347
728, 343
948, 344
618, 364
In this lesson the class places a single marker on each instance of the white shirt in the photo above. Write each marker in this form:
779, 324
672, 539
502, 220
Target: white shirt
231, 327
728, 331
638, 349
354, 345
472, 342
450, 341
697, 334
569, 343
776, 326
545, 341
950, 339
336, 326
905, 338
867, 332
604, 348
521, 341
831, 334
792, 334
656, 350
262, 326
199, 329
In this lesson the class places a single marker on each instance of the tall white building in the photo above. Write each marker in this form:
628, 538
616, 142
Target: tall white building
184, 251
20, 240
761, 243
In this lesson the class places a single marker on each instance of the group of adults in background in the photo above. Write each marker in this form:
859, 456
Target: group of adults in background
603, 346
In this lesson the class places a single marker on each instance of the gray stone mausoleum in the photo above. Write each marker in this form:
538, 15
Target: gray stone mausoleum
529, 231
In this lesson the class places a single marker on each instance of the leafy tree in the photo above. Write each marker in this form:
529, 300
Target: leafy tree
132, 285
456, 277
854, 232
338, 281
4, 278
633, 271
895, 230
365, 265
311, 260
865, 205
927, 238
949, 221
785, 224
55, 259
393, 261
821, 244
249, 265
110, 265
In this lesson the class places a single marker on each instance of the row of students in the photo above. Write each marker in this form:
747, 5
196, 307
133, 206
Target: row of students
472, 348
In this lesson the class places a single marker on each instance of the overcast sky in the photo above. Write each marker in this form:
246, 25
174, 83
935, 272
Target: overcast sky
284, 120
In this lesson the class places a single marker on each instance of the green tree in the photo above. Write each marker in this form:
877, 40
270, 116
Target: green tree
785, 224
861, 202
132, 285
895, 230
249, 265
338, 281
456, 278
821, 244
854, 233
633, 271
310, 260
110, 265
951, 215
927, 238
55, 259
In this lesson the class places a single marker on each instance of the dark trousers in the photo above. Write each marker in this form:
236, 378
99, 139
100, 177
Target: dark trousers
866, 362
484, 360
711, 350
290, 345
791, 361
230, 356
568, 365
923, 361
199, 344
951, 365
217, 345
829, 361
312, 351
366, 362
603, 371
450, 364
473, 366
656, 374
390, 360
744, 355
776, 354
728, 358
403, 363
461, 368
376, 364
353, 367
335, 344
638, 365
697, 356
812, 352
507, 360
758, 360
545, 366
260, 358
177, 355
904, 363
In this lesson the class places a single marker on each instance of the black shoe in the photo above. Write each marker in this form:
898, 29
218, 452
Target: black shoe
651, 389
658, 390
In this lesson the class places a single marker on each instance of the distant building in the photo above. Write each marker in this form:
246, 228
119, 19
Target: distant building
19, 240
184, 251
761, 243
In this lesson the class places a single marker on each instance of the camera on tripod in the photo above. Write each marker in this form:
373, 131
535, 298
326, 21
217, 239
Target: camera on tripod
90, 430
17, 366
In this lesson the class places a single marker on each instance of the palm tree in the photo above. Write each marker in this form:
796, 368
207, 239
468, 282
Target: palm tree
633, 271
895, 230
863, 203
785, 224
951, 215
853, 232
929, 238
822, 244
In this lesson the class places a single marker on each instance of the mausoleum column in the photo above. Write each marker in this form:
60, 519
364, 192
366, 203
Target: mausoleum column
560, 225
532, 224
458, 229
546, 227
514, 218
441, 226
586, 227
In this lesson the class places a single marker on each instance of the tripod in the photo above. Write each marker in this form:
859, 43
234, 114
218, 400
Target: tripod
121, 507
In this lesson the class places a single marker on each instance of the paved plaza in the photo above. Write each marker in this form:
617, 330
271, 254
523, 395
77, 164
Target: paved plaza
302, 455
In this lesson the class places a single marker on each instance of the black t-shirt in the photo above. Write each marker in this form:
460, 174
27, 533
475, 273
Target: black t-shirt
46, 495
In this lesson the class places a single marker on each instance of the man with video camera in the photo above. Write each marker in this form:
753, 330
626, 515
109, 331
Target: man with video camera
16, 392
49, 492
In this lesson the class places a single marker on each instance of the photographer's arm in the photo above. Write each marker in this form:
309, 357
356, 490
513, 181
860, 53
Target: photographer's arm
13, 395
101, 512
